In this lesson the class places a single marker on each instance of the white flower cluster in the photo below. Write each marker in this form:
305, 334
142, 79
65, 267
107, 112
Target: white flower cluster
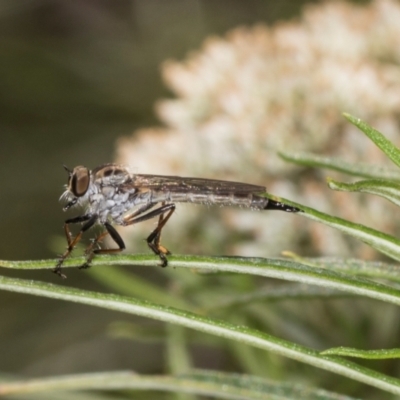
258, 90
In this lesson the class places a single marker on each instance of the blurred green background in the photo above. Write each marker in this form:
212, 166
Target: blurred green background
75, 76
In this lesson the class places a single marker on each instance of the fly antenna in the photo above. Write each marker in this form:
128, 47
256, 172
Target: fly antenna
67, 169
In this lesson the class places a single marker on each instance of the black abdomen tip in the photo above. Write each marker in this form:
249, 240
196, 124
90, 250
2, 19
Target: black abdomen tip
276, 205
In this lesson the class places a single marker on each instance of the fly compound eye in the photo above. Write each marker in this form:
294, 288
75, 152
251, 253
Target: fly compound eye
79, 180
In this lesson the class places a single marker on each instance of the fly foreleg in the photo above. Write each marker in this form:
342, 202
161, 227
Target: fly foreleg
153, 240
90, 220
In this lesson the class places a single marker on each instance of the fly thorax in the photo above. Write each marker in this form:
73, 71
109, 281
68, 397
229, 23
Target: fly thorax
108, 192
93, 197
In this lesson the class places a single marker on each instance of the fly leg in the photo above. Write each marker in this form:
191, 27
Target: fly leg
91, 252
90, 220
153, 240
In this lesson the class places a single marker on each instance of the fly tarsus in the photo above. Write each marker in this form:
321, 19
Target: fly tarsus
161, 252
90, 252
71, 244
90, 220
57, 269
153, 240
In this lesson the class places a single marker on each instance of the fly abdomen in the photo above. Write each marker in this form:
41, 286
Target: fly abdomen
243, 200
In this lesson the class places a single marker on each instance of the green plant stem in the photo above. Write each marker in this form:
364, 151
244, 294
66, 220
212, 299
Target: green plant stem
212, 326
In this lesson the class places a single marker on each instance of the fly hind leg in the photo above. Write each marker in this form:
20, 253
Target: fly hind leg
153, 240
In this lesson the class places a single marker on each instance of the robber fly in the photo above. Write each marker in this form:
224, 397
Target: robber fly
111, 194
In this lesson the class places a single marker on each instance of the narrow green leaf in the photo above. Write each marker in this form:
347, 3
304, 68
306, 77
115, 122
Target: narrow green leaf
380, 241
148, 333
249, 359
369, 354
153, 333
271, 293
216, 327
271, 268
141, 259
359, 169
392, 151
178, 356
375, 269
44, 394
206, 383
388, 190
134, 285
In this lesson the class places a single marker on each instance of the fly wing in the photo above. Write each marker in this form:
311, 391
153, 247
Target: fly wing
178, 184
